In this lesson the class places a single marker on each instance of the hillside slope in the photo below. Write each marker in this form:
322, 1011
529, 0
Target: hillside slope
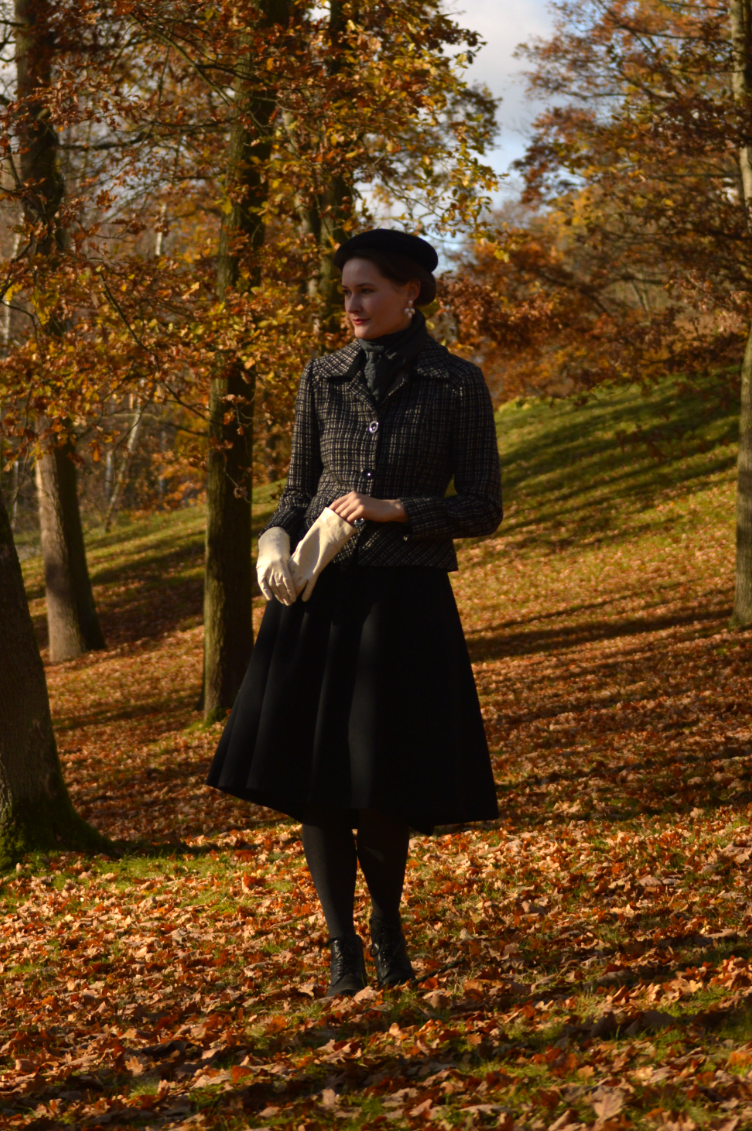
598, 610
597, 617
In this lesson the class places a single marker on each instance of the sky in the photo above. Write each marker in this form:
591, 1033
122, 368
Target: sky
504, 24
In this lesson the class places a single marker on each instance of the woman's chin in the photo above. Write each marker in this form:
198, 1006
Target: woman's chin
367, 330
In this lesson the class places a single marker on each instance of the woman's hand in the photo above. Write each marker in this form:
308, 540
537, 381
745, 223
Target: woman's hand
354, 506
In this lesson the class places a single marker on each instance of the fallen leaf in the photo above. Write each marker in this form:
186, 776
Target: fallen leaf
567, 1119
275, 1024
607, 1102
329, 1097
368, 993
437, 999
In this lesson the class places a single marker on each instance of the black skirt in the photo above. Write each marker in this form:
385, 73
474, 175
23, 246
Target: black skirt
362, 698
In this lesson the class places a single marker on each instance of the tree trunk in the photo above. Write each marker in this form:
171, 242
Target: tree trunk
39, 151
228, 628
326, 216
35, 809
742, 614
130, 448
334, 208
71, 614
741, 43
16, 492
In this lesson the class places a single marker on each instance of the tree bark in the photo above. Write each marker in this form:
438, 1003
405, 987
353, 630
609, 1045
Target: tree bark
71, 615
228, 628
130, 448
742, 614
334, 207
73, 624
38, 157
35, 809
741, 43
326, 216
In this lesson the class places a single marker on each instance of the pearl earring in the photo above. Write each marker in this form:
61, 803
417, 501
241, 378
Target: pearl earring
409, 308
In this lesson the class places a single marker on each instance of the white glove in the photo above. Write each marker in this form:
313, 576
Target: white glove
273, 566
323, 541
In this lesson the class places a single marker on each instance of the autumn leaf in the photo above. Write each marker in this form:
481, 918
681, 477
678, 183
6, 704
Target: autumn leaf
607, 1102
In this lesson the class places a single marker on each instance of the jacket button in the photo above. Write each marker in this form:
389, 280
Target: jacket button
373, 426
369, 473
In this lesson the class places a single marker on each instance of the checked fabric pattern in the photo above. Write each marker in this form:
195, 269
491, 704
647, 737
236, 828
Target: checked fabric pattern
435, 424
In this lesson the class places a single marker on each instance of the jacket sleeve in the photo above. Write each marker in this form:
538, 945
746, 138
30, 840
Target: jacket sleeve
305, 462
476, 509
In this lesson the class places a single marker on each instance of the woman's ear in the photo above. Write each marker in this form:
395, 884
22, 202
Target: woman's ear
412, 290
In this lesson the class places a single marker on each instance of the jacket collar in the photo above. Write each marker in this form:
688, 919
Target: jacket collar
431, 361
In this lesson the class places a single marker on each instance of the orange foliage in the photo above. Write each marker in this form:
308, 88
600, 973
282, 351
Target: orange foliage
632, 261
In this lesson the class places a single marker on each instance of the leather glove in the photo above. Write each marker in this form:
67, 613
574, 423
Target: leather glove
323, 541
273, 566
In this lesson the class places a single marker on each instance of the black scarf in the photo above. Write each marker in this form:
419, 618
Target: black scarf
390, 355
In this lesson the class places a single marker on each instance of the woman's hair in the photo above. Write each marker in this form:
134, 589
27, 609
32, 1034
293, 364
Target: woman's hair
400, 269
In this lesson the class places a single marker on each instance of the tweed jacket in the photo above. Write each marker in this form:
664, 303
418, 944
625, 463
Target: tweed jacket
435, 424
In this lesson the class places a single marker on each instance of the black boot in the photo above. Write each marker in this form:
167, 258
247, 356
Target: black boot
389, 952
348, 967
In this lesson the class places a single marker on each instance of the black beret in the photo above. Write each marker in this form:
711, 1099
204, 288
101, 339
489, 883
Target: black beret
389, 241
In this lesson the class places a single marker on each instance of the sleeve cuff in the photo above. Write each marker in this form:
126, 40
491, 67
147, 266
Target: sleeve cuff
426, 517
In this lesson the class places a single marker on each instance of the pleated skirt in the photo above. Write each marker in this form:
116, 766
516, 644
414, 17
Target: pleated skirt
363, 697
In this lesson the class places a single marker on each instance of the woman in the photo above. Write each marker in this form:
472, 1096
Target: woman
359, 709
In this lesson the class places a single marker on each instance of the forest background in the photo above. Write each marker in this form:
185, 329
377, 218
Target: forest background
175, 179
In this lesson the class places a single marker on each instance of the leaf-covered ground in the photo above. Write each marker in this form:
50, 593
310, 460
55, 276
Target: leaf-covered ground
586, 959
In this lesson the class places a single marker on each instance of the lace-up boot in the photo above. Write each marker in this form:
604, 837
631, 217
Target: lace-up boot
348, 967
389, 950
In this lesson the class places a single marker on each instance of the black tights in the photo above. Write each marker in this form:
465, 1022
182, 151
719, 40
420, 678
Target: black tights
332, 854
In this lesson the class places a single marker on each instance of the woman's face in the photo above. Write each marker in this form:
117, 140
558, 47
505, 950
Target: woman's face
375, 305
